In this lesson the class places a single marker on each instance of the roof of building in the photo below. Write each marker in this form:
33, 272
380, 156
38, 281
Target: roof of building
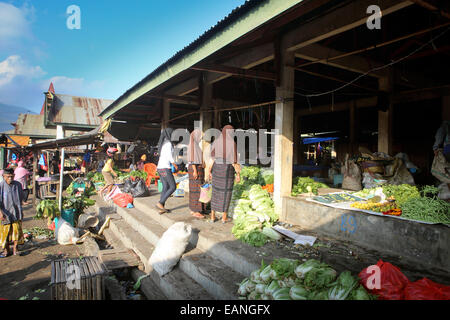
74, 111
20, 140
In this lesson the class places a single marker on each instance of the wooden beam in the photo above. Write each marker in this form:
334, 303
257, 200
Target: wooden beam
385, 118
173, 98
342, 106
338, 21
234, 71
432, 8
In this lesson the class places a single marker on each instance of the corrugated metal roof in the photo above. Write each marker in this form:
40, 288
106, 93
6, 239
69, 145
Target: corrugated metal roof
77, 110
32, 125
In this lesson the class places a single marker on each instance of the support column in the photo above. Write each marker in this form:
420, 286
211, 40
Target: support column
284, 125
297, 138
385, 118
205, 97
165, 106
446, 108
35, 161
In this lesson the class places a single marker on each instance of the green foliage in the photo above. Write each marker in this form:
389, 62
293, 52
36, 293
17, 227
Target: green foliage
47, 209
401, 193
306, 184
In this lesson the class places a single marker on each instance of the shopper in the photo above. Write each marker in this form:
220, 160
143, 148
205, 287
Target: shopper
108, 171
11, 214
165, 163
141, 163
21, 175
224, 169
196, 173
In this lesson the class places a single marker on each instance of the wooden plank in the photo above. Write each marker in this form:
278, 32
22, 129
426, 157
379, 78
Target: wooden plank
35, 161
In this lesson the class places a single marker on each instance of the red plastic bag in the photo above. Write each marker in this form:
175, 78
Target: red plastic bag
123, 199
392, 282
425, 289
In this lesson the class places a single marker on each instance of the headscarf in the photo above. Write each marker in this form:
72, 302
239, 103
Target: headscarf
224, 148
195, 154
166, 135
20, 173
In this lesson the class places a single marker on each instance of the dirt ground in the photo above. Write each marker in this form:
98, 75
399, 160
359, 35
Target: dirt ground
27, 277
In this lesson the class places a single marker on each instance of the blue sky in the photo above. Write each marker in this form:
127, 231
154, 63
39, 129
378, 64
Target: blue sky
119, 43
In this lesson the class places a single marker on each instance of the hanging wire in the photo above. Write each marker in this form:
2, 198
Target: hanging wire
373, 69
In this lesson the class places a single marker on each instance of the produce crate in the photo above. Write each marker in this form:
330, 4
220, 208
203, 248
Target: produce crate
87, 283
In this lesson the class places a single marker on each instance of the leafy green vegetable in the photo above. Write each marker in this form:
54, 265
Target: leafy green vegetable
307, 266
432, 210
283, 267
319, 277
345, 283
298, 292
360, 294
281, 294
271, 288
255, 238
306, 184
401, 193
272, 234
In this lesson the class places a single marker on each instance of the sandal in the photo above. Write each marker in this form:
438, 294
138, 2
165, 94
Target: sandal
211, 220
225, 221
197, 215
161, 210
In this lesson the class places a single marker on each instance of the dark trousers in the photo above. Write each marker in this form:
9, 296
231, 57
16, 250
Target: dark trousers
26, 193
169, 185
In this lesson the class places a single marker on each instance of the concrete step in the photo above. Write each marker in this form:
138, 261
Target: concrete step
218, 279
176, 285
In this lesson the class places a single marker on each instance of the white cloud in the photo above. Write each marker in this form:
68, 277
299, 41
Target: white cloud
14, 66
14, 22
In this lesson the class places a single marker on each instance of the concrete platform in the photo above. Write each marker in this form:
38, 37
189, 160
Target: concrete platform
424, 244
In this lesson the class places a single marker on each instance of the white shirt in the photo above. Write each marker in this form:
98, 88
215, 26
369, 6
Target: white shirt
166, 156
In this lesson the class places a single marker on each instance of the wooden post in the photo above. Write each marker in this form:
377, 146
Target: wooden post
446, 108
385, 119
35, 161
205, 102
284, 123
166, 113
297, 138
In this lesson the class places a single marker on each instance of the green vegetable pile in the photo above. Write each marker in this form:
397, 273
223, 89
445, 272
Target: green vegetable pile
254, 215
428, 208
401, 193
306, 184
288, 279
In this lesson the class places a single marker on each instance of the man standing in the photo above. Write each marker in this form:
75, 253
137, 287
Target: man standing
11, 216
443, 140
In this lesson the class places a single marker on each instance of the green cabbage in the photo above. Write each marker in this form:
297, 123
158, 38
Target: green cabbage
307, 266
298, 293
270, 289
283, 267
255, 238
265, 274
320, 277
254, 296
319, 295
282, 294
250, 286
272, 234
260, 288
360, 294
242, 291
265, 297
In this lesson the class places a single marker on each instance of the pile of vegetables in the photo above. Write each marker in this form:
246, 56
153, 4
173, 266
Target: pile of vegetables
306, 185
401, 193
288, 279
95, 177
47, 209
254, 216
428, 208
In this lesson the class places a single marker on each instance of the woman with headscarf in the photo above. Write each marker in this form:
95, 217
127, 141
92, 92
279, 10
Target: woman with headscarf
141, 163
196, 173
21, 175
165, 163
224, 169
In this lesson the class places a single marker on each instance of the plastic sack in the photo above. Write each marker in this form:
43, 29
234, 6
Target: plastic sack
425, 289
114, 192
205, 193
352, 175
439, 168
128, 185
123, 199
392, 282
444, 191
65, 234
139, 189
170, 248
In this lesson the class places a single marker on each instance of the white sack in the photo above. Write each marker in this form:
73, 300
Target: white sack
170, 248
65, 234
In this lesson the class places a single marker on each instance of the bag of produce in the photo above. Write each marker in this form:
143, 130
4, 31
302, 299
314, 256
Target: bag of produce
65, 234
425, 289
139, 189
170, 248
392, 282
205, 193
440, 168
352, 175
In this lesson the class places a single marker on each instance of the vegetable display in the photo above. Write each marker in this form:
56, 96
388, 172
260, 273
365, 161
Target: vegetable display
47, 209
427, 209
401, 193
305, 185
288, 279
